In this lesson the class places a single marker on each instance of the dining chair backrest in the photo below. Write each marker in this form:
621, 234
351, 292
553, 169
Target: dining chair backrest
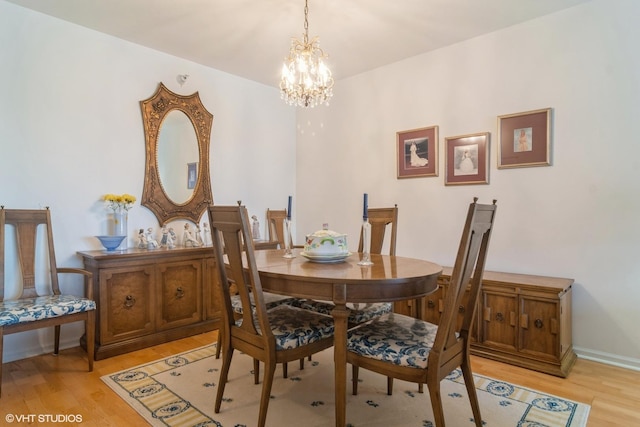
275, 225
230, 229
380, 219
27, 224
466, 276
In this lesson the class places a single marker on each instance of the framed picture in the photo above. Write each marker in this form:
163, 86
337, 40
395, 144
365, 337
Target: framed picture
192, 175
524, 139
467, 159
417, 152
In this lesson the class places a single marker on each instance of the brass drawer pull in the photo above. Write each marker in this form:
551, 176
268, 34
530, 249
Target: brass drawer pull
431, 304
538, 323
179, 292
129, 301
499, 317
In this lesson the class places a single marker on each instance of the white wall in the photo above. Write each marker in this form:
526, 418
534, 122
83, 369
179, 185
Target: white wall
577, 218
71, 131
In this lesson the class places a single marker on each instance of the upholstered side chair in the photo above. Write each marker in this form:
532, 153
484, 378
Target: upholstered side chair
413, 350
277, 335
39, 302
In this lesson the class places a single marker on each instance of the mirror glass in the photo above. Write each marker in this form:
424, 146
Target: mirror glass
177, 149
177, 131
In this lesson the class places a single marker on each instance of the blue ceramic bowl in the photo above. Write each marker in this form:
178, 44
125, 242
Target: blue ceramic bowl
110, 243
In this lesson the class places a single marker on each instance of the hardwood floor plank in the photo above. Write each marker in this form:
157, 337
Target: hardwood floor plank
50, 384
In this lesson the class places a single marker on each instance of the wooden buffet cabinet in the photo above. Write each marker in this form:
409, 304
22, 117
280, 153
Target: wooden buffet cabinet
147, 297
523, 320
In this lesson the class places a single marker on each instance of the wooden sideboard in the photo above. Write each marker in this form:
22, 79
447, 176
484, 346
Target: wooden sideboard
147, 297
521, 319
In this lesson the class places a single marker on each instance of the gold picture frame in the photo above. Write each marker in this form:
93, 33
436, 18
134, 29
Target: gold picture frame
417, 152
467, 159
524, 139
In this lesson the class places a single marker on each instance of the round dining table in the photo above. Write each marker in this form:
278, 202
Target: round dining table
389, 278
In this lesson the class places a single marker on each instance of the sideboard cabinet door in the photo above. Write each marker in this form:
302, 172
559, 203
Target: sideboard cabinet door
128, 303
540, 327
181, 293
498, 316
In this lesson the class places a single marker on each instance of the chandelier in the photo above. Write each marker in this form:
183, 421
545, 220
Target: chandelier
306, 81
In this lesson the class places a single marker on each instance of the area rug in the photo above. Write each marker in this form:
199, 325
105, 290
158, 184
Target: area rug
180, 391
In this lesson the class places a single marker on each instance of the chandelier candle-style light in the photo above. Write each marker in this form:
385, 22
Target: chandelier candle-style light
306, 80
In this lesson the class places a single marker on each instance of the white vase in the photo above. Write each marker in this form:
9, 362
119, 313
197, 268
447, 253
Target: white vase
121, 227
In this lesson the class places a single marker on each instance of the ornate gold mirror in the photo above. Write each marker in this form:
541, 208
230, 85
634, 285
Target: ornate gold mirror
177, 132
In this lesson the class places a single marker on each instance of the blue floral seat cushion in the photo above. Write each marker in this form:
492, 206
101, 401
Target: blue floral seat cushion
294, 327
358, 312
43, 307
270, 300
394, 338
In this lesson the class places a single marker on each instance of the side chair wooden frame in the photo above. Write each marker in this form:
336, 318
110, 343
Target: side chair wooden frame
26, 223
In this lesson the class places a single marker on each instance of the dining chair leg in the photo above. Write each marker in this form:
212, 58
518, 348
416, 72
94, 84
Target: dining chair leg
219, 344
267, 383
420, 388
436, 402
285, 370
1, 348
354, 379
471, 391
389, 386
90, 334
256, 371
224, 373
56, 342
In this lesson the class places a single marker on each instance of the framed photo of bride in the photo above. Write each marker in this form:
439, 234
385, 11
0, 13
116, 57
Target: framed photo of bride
467, 159
524, 139
417, 152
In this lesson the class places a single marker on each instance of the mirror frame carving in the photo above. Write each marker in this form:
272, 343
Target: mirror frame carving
154, 110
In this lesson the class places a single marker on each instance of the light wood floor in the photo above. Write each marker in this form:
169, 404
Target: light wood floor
61, 385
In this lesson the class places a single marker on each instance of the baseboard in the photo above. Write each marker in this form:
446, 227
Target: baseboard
608, 358
34, 350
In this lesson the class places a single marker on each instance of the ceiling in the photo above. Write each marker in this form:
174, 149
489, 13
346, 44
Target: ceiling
250, 38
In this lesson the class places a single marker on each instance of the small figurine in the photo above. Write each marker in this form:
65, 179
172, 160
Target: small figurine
142, 239
164, 240
255, 228
207, 234
188, 240
152, 243
199, 236
171, 241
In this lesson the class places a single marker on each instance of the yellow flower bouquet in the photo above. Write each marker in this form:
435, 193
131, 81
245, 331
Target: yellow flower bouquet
119, 202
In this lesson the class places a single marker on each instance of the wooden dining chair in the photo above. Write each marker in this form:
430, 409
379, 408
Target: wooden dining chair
33, 307
410, 349
381, 220
275, 227
277, 335
275, 221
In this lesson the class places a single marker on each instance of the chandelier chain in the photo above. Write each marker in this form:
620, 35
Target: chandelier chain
306, 21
